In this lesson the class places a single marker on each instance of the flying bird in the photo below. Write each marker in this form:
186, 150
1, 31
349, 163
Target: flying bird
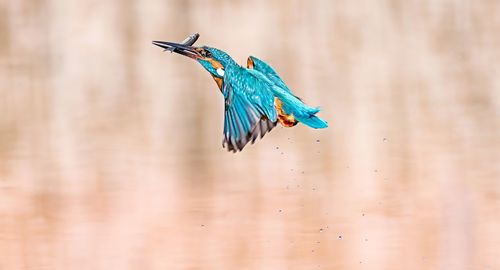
256, 98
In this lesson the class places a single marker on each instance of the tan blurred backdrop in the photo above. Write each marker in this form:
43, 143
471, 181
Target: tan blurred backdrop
111, 156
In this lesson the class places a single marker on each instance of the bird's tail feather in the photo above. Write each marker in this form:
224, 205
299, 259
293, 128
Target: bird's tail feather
313, 121
307, 115
302, 112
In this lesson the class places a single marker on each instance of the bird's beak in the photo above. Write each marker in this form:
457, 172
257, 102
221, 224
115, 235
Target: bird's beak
183, 49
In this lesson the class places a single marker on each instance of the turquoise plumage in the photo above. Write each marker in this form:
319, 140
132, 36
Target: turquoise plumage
256, 98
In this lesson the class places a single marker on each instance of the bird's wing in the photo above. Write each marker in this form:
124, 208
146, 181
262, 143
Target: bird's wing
249, 112
261, 66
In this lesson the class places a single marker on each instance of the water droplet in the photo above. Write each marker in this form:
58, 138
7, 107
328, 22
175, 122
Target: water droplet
317, 140
340, 237
321, 230
384, 139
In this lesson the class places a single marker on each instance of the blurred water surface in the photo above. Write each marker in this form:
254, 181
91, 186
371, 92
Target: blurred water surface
111, 157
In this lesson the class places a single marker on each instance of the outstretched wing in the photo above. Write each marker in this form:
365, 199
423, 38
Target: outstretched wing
261, 66
249, 111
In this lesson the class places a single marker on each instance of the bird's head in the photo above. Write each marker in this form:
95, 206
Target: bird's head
213, 60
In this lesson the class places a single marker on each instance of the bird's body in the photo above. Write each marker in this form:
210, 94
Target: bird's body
256, 98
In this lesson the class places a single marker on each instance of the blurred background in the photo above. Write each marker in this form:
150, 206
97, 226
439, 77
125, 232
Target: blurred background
111, 156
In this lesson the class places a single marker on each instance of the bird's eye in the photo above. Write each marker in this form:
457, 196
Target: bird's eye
203, 52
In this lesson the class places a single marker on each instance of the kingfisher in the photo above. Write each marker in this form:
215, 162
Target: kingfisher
255, 97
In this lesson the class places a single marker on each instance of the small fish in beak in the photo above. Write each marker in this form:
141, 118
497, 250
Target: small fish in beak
189, 41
